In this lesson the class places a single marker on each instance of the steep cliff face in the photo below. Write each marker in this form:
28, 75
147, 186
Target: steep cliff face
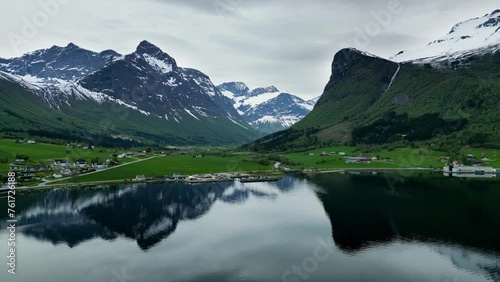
371, 75
371, 100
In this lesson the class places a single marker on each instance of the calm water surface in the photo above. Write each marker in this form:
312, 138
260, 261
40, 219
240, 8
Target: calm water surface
321, 228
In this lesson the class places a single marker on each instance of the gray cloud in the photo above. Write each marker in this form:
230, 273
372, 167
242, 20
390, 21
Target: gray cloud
286, 43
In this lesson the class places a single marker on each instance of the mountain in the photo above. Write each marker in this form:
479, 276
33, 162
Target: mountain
470, 35
441, 101
58, 63
266, 109
141, 96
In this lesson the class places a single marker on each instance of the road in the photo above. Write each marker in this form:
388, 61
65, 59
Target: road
98, 171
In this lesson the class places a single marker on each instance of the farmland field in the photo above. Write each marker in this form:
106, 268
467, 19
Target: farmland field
44, 152
186, 165
232, 162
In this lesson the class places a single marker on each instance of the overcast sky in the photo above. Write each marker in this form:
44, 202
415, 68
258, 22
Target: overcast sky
286, 43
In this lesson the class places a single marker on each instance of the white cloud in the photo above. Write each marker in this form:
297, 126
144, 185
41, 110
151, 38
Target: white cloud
286, 43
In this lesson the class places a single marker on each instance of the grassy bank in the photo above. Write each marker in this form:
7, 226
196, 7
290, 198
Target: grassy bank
186, 164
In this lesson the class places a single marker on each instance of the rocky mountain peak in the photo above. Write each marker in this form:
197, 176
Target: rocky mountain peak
234, 89
263, 90
155, 57
72, 46
146, 47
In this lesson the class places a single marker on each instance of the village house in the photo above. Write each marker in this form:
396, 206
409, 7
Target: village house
177, 176
140, 178
62, 163
277, 165
443, 159
140, 153
353, 160
66, 172
99, 166
81, 163
16, 168
19, 162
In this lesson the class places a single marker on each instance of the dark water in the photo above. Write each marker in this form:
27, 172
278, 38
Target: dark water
323, 228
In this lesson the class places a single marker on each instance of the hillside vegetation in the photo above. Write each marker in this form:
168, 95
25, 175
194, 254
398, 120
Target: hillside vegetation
453, 102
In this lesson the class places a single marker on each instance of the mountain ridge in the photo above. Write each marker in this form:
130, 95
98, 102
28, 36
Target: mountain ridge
444, 100
472, 34
267, 109
174, 100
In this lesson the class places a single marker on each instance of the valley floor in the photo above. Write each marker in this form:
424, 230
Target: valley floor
186, 163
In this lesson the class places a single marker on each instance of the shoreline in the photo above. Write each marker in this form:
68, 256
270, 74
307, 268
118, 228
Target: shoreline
267, 178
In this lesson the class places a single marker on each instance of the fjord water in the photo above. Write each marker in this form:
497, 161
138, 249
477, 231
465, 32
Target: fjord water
320, 228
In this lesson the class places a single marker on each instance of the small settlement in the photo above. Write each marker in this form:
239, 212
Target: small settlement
205, 178
470, 165
54, 169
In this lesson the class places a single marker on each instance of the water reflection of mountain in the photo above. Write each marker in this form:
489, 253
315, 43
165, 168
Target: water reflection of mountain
146, 214
367, 210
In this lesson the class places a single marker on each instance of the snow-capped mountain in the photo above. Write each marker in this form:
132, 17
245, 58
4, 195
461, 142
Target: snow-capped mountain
178, 101
151, 80
58, 63
477, 33
266, 109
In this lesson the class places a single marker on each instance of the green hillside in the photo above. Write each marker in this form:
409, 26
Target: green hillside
23, 115
450, 102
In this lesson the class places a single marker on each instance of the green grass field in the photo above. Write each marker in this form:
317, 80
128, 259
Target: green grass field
403, 157
41, 152
238, 162
168, 165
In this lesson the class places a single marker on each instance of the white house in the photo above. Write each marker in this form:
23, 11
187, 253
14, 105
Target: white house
81, 163
62, 163
66, 172
99, 166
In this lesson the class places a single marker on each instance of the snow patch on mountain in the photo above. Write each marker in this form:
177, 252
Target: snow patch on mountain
266, 108
477, 33
237, 123
257, 100
158, 64
191, 114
